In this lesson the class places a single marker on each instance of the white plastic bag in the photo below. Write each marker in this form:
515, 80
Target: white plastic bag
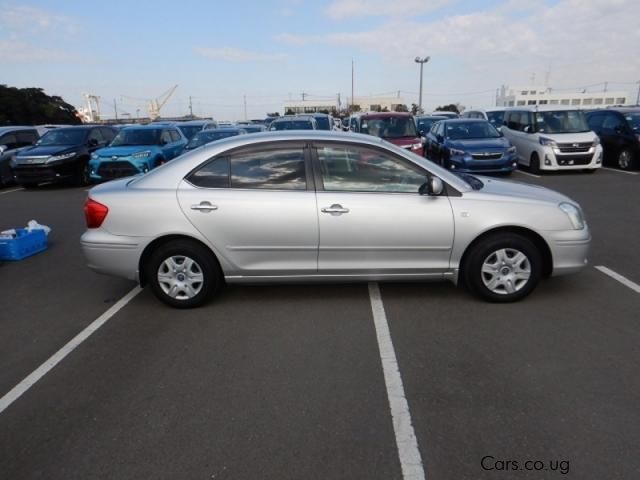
33, 225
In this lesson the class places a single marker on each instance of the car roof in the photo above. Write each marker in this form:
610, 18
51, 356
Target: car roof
151, 126
386, 114
464, 120
192, 122
438, 117
223, 129
542, 108
293, 118
15, 128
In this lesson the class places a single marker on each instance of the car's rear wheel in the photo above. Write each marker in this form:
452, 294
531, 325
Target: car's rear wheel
183, 273
625, 160
503, 267
534, 163
81, 176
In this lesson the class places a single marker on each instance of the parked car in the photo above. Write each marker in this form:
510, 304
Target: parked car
395, 127
294, 122
208, 136
211, 124
619, 133
470, 145
225, 123
191, 127
495, 116
247, 209
13, 140
444, 113
323, 120
552, 137
137, 150
268, 120
61, 154
425, 122
254, 128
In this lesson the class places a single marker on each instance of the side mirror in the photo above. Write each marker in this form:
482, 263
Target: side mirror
3, 148
528, 129
432, 187
620, 130
93, 142
163, 141
422, 132
440, 138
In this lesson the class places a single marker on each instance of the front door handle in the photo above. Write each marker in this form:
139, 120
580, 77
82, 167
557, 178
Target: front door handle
335, 209
204, 207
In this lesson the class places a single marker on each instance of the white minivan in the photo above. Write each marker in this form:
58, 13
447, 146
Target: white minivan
552, 137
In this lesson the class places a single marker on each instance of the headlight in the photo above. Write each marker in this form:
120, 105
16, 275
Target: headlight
94, 156
511, 150
64, 156
574, 214
416, 146
596, 141
144, 154
455, 151
547, 142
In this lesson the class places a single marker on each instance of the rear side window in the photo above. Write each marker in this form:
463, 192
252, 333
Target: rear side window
278, 169
214, 174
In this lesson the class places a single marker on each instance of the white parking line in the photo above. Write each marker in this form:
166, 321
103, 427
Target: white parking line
17, 391
618, 171
616, 276
11, 191
406, 442
527, 173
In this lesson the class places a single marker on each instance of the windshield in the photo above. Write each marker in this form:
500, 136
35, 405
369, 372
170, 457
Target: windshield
424, 124
469, 130
208, 136
389, 127
495, 118
292, 125
472, 181
138, 136
74, 136
323, 123
190, 130
634, 120
253, 128
568, 121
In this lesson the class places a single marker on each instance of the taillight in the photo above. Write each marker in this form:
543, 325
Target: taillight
94, 213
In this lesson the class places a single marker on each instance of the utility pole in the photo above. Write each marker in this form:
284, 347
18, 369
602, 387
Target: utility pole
606, 85
638, 97
304, 95
421, 61
115, 108
190, 107
339, 103
244, 97
352, 99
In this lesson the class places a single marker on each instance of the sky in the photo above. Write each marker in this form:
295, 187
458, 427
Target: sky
221, 52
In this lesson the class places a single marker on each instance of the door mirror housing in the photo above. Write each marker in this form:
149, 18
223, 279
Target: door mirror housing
93, 142
433, 187
528, 129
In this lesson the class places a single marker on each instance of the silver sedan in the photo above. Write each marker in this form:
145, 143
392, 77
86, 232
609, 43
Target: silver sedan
326, 206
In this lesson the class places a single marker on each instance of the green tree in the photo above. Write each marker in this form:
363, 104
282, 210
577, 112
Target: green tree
414, 109
401, 108
31, 106
452, 107
273, 114
289, 112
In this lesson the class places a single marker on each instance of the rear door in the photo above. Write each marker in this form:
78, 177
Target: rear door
257, 207
372, 218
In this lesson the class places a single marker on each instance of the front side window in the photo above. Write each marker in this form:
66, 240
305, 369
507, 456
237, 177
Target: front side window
96, 135
496, 118
634, 120
277, 169
612, 121
26, 138
64, 136
357, 169
165, 137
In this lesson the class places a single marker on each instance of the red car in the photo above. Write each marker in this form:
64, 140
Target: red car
396, 127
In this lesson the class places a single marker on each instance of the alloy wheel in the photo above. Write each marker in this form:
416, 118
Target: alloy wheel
506, 271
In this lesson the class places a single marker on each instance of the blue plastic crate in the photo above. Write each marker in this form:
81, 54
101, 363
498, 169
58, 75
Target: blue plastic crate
25, 244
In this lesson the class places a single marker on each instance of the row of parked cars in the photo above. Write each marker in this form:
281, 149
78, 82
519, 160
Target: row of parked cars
487, 141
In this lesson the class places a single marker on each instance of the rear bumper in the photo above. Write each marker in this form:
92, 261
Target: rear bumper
113, 254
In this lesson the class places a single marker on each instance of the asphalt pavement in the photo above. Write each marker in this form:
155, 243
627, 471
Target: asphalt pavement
287, 381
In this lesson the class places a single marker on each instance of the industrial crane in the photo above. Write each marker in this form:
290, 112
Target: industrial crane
154, 105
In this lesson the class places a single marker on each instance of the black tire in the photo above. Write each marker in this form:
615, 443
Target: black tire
590, 170
625, 160
81, 176
484, 250
205, 261
29, 186
534, 163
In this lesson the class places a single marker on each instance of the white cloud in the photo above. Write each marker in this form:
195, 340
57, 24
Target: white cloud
581, 41
232, 54
16, 51
31, 19
342, 9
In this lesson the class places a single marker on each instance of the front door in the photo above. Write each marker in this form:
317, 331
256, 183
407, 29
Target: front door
256, 209
372, 218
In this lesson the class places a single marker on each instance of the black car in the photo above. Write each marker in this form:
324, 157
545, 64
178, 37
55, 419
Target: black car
619, 132
61, 154
424, 123
12, 140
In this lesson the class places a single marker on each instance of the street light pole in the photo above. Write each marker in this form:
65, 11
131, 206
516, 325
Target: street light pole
421, 61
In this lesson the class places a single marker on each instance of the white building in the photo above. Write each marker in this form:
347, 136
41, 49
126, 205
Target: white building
366, 104
532, 95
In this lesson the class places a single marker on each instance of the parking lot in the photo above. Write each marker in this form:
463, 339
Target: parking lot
288, 381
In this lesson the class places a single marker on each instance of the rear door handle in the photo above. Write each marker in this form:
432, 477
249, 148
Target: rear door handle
335, 209
204, 207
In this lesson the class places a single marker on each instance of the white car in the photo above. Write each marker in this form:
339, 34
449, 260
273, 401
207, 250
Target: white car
552, 137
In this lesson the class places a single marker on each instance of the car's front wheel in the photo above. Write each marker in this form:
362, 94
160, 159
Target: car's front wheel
625, 160
183, 273
503, 267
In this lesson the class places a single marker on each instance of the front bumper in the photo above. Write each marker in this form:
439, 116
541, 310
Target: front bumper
552, 159
102, 170
113, 254
45, 172
569, 250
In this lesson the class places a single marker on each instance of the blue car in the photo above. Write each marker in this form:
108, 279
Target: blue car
470, 145
136, 150
213, 135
